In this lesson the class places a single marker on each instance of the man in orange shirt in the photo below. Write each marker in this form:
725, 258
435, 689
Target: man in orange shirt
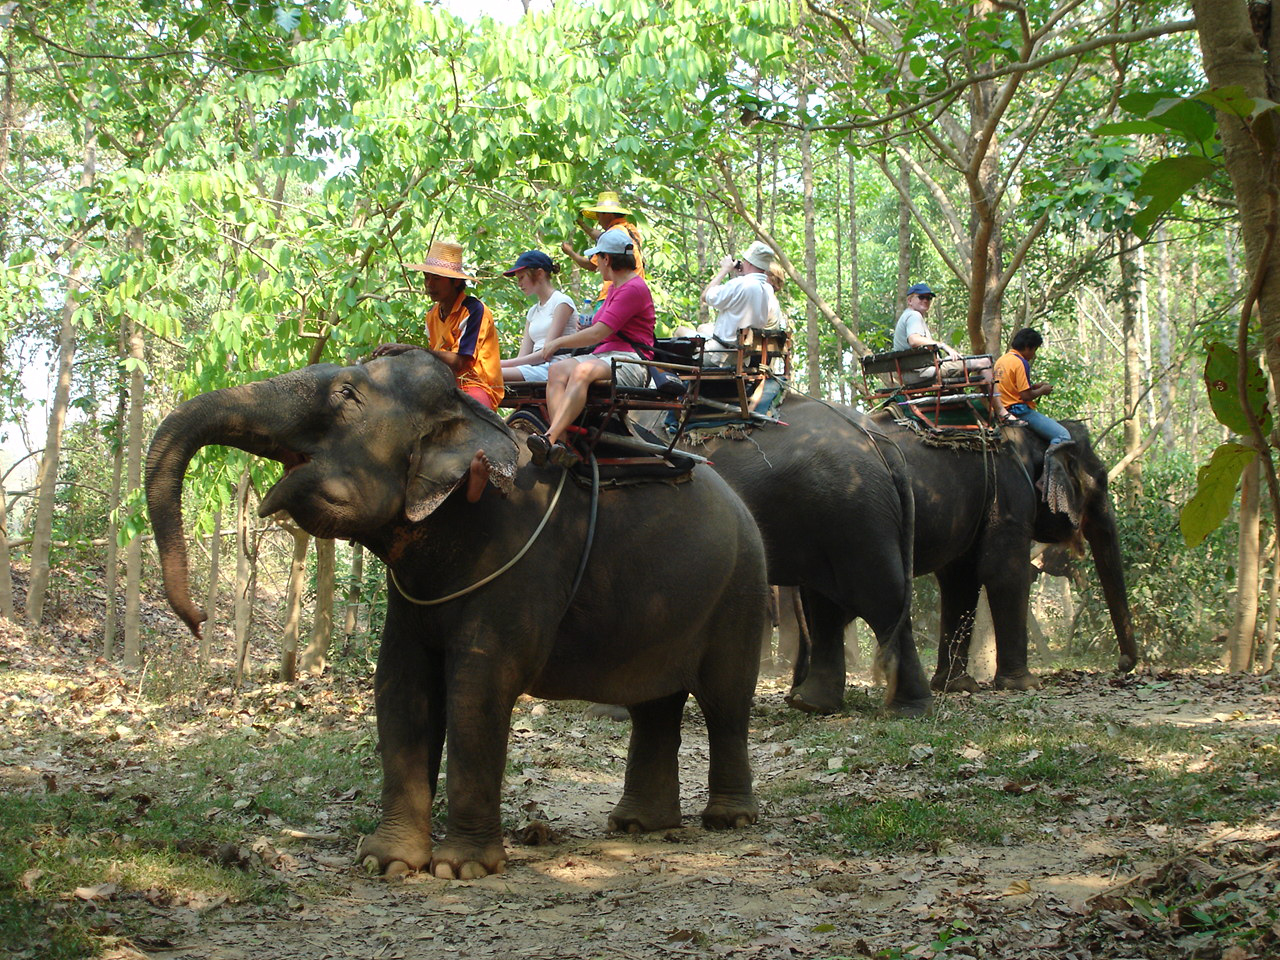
608, 213
460, 329
1019, 394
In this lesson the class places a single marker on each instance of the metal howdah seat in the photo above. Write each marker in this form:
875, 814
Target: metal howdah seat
912, 379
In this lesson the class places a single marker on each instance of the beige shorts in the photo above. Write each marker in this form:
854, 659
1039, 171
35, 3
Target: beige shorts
628, 374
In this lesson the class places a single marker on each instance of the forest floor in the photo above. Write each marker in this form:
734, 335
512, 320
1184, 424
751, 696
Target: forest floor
151, 815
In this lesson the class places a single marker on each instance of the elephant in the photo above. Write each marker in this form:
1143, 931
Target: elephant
977, 513
390, 454
834, 503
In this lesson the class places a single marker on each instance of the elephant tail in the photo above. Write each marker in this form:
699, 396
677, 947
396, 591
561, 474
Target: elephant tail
891, 656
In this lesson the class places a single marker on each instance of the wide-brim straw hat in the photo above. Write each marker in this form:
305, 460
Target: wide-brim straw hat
607, 202
444, 259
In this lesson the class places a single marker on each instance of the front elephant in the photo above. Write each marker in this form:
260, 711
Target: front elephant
391, 455
978, 510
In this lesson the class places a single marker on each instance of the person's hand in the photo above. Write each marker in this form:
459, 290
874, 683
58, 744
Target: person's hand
1045, 389
393, 349
567, 247
952, 352
727, 263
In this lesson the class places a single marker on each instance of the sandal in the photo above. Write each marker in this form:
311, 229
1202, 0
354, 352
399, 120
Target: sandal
539, 446
562, 456
1010, 420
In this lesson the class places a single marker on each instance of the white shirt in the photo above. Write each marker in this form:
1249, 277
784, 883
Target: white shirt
911, 322
745, 301
541, 317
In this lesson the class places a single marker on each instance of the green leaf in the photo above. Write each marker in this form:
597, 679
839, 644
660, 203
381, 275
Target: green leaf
1234, 100
1131, 128
1221, 376
1165, 182
1216, 483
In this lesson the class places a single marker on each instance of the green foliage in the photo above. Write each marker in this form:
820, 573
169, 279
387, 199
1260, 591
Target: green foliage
1222, 381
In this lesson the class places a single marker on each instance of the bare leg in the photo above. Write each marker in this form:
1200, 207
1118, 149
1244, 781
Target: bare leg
477, 477
569, 401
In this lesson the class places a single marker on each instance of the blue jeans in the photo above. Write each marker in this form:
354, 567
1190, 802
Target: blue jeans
1046, 427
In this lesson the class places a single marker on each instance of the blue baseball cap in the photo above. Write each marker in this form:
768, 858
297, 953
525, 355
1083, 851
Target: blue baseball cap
530, 258
612, 241
920, 290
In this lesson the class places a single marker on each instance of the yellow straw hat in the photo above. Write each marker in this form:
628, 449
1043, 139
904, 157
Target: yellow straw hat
443, 259
608, 202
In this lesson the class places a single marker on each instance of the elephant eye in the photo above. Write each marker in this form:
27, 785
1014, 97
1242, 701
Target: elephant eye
344, 393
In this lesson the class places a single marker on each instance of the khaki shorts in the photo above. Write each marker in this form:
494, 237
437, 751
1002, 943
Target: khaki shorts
628, 374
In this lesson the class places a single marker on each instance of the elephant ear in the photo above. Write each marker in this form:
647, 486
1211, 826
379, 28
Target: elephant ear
441, 459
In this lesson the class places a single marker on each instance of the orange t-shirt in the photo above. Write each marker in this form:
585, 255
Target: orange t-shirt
634, 231
1011, 373
469, 331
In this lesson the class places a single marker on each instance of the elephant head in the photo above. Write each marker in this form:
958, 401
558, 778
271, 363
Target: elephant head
1075, 482
366, 448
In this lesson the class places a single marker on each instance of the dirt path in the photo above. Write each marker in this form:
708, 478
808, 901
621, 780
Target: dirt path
774, 890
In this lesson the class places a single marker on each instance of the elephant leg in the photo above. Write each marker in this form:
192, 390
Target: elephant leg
480, 699
409, 701
651, 795
958, 587
897, 659
820, 688
1008, 593
725, 691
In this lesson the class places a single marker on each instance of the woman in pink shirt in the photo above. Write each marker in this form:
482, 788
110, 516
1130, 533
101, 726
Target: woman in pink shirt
623, 328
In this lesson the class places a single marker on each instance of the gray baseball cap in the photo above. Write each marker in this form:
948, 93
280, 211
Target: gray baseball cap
612, 241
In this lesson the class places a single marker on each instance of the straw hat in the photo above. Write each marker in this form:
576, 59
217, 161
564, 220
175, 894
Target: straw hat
608, 202
443, 259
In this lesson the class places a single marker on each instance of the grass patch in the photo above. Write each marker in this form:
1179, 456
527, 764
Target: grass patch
911, 824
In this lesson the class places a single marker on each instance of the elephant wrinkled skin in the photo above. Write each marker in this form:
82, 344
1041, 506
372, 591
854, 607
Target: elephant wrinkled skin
672, 602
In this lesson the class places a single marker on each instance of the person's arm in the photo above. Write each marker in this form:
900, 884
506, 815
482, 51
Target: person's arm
456, 362
924, 340
726, 265
584, 262
592, 335
1035, 391
393, 349
526, 351
565, 319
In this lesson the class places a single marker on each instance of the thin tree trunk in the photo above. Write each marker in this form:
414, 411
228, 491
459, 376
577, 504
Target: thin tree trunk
352, 619
1241, 639
904, 234
243, 604
1164, 325
1144, 326
854, 318
293, 604
211, 600
1132, 367
47, 477
6, 569
704, 312
316, 656
813, 341
1266, 653
109, 622
133, 550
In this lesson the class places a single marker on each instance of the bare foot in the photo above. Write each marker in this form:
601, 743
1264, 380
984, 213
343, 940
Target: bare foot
478, 477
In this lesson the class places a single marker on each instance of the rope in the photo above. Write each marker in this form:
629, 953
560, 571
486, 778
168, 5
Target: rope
591, 526
497, 573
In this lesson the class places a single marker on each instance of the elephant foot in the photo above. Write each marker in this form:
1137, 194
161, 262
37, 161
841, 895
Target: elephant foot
809, 697
632, 816
725, 813
455, 860
910, 709
1019, 680
391, 853
960, 683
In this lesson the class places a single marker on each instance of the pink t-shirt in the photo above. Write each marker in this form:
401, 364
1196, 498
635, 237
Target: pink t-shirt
627, 311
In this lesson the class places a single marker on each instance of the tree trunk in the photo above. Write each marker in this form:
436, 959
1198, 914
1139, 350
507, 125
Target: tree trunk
1144, 330
243, 601
293, 604
1241, 639
1233, 56
904, 235
704, 311
1266, 653
47, 477
1132, 367
112, 576
813, 341
352, 619
316, 656
211, 600
1164, 326
133, 550
6, 569
854, 317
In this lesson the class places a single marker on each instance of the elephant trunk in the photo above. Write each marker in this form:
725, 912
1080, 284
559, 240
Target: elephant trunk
1099, 528
251, 417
